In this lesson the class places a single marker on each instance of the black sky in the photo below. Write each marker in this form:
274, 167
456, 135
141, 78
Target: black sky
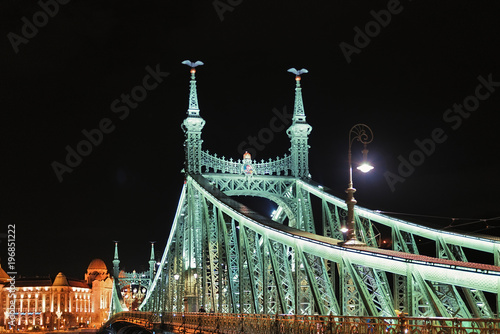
64, 80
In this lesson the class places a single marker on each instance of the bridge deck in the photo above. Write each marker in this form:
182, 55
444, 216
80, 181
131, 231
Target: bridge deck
429, 259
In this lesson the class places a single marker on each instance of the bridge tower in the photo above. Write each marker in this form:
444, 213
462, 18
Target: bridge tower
152, 261
192, 126
299, 132
131, 287
116, 263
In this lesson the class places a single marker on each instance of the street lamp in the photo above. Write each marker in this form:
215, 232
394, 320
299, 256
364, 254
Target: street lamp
364, 135
195, 275
177, 293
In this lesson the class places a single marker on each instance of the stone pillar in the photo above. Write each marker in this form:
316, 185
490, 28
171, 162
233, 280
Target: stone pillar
66, 298
20, 311
7, 302
51, 301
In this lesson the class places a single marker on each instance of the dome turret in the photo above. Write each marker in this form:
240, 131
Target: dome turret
60, 280
97, 265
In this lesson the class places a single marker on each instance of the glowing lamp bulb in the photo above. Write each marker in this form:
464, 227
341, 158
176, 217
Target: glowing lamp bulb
193, 70
176, 277
344, 229
365, 167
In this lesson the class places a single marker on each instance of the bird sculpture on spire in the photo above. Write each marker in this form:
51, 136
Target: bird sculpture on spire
193, 65
297, 72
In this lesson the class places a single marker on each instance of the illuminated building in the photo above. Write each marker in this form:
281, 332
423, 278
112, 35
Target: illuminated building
59, 303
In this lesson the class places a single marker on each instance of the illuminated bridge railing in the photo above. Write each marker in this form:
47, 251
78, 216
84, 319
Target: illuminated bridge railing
214, 164
146, 319
281, 323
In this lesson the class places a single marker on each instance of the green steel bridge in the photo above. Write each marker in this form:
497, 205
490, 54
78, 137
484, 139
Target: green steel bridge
229, 259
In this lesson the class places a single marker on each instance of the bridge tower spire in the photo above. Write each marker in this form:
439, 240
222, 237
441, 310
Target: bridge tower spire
192, 125
299, 131
152, 261
116, 262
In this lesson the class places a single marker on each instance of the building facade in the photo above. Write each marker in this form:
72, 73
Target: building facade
56, 304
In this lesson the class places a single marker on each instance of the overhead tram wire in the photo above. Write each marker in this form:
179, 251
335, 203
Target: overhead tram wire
453, 219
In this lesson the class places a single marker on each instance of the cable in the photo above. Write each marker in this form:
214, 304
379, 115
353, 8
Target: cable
439, 217
453, 220
470, 223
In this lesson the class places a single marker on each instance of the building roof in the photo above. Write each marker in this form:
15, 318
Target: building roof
33, 282
78, 283
97, 265
3, 276
60, 280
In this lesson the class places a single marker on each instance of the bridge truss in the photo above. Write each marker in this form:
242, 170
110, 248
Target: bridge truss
227, 258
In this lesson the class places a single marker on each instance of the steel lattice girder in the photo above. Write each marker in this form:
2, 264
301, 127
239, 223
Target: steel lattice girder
265, 237
476, 298
490, 245
327, 249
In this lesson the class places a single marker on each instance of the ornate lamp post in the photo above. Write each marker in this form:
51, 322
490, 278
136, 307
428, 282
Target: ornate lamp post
177, 294
364, 135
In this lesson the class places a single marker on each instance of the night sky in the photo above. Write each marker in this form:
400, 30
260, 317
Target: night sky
425, 76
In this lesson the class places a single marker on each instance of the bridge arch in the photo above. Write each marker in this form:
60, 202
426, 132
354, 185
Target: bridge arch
278, 189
